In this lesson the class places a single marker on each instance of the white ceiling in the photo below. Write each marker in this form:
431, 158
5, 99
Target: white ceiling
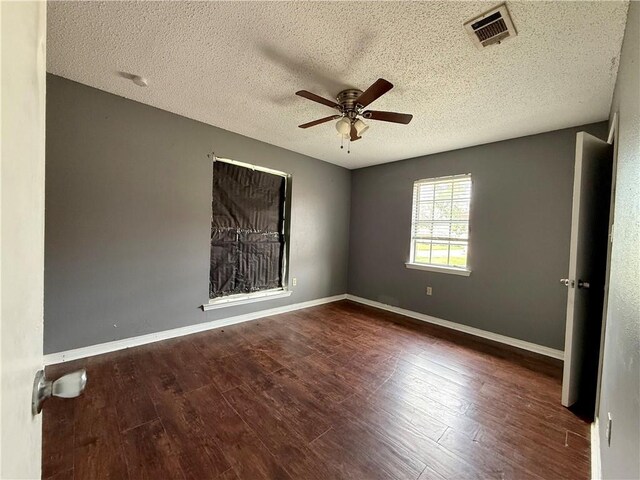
236, 65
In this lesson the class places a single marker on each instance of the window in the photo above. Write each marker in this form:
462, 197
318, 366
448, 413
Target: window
440, 224
248, 232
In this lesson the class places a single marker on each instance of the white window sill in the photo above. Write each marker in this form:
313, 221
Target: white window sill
235, 300
439, 268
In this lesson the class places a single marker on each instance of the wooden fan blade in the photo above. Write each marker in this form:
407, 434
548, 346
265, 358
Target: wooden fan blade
394, 117
375, 91
354, 134
316, 98
318, 122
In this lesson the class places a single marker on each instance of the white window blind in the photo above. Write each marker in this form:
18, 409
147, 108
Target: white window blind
440, 223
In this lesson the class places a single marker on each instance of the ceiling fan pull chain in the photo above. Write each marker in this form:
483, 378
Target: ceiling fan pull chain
341, 142
349, 145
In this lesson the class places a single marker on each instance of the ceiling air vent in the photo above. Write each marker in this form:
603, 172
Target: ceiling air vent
491, 28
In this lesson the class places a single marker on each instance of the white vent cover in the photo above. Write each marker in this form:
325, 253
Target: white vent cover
491, 28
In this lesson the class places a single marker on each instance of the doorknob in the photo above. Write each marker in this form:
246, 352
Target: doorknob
582, 284
68, 386
566, 282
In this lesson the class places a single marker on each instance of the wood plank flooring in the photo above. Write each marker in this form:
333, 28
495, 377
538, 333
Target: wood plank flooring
339, 391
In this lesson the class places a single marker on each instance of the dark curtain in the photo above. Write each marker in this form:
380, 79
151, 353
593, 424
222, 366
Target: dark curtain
247, 241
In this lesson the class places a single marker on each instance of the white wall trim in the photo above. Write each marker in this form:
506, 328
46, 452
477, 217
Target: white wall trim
439, 269
596, 466
514, 342
235, 300
101, 348
250, 166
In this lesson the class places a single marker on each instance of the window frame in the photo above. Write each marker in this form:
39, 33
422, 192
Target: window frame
431, 267
273, 293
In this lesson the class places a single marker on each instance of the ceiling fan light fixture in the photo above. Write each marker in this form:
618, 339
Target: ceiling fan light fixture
343, 126
360, 126
350, 106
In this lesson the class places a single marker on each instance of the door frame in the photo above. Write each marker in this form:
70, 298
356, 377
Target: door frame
612, 139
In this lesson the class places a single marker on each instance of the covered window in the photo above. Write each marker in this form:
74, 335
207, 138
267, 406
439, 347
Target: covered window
440, 223
248, 234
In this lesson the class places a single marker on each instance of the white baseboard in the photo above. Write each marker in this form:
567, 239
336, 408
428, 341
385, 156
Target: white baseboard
596, 466
101, 348
514, 342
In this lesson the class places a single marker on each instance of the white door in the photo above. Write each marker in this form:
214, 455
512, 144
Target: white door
587, 265
21, 233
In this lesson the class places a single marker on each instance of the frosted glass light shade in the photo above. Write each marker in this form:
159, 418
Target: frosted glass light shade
343, 126
361, 127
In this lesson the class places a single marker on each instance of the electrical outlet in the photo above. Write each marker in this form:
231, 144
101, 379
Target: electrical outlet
608, 431
429, 291
294, 281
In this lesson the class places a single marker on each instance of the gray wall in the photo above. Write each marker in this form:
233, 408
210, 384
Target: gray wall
519, 236
620, 387
128, 210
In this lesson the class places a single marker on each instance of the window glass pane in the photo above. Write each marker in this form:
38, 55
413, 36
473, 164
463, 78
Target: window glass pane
424, 229
443, 191
460, 230
458, 256
441, 230
460, 210
425, 192
462, 190
425, 211
422, 252
440, 253
442, 210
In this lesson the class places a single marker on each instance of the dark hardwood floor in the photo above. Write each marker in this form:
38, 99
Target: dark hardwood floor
331, 392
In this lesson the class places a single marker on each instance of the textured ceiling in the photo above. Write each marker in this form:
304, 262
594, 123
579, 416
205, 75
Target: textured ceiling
236, 65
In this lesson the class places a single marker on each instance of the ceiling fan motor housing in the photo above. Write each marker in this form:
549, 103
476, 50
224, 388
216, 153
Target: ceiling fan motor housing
347, 100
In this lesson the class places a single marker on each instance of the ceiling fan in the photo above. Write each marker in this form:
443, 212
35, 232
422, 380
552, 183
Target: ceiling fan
350, 105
